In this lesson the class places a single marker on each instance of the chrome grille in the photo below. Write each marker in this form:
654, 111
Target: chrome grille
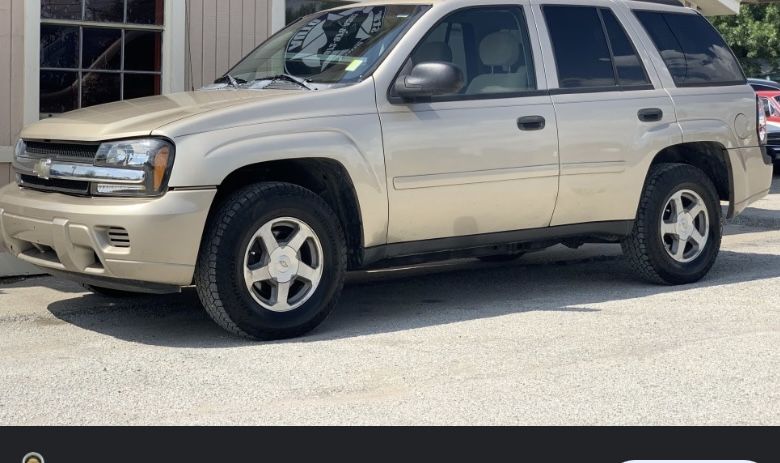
73, 152
118, 237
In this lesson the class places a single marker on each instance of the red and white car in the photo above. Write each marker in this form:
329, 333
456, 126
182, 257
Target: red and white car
770, 101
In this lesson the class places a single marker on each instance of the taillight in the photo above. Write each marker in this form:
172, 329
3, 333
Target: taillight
761, 121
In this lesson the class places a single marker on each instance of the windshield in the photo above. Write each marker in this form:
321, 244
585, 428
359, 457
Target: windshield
337, 46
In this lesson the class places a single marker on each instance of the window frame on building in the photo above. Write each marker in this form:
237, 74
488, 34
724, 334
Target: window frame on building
173, 53
83, 69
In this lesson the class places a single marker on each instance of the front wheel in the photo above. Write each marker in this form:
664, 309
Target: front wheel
678, 229
272, 263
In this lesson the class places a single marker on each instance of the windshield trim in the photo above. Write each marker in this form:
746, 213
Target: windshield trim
419, 11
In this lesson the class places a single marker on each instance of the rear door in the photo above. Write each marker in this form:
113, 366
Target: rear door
612, 112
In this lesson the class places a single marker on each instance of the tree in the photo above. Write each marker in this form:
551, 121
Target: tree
754, 35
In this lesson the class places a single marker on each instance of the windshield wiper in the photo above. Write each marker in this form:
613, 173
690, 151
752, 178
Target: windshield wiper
230, 80
288, 78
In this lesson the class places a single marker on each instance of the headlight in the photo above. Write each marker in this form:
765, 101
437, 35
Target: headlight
21, 149
153, 156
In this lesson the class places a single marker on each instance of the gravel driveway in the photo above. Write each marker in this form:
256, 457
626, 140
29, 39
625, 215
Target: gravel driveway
560, 337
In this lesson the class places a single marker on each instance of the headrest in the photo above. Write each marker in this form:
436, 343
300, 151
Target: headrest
499, 49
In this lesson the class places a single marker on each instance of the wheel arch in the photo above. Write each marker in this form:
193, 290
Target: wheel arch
326, 177
709, 156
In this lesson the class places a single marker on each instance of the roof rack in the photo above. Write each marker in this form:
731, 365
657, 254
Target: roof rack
664, 2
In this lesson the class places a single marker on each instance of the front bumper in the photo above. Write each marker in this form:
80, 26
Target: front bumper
86, 236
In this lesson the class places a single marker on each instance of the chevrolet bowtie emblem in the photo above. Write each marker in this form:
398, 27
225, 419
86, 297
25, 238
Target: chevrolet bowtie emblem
42, 168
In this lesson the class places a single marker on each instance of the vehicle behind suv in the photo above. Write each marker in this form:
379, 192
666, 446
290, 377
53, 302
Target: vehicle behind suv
386, 133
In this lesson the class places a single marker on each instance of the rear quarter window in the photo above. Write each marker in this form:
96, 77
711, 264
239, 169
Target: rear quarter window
694, 52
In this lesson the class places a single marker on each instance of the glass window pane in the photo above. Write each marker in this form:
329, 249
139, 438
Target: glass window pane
102, 48
138, 85
489, 45
580, 48
61, 9
629, 66
99, 87
59, 46
142, 50
104, 10
145, 11
59, 91
692, 49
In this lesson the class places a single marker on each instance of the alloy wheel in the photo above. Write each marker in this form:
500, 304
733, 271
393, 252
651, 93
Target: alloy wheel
283, 264
685, 226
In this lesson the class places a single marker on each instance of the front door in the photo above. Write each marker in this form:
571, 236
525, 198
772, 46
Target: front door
483, 159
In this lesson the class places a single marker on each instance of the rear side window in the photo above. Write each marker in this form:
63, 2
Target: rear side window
629, 68
591, 49
692, 49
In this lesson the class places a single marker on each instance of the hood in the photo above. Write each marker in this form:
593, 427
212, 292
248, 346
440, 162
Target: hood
139, 117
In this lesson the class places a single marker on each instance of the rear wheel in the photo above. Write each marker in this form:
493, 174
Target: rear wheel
678, 229
272, 263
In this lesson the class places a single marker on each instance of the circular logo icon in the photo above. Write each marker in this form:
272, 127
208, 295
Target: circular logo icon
33, 458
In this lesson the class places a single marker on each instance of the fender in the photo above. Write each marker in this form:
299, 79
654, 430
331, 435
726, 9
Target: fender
744, 159
353, 141
709, 130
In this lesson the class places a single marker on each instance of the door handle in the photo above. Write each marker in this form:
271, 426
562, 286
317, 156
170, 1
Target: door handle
650, 115
530, 123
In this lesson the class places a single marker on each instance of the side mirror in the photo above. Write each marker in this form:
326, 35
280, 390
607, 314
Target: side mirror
429, 79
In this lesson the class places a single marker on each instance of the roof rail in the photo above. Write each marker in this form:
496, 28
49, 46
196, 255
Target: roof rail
664, 2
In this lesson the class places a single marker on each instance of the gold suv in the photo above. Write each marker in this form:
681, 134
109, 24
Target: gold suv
386, 132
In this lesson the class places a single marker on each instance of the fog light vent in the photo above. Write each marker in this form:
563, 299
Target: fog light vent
118, 237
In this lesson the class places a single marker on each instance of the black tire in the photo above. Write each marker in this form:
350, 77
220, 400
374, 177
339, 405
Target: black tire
501, 258
109, 292
219, 273
645, 249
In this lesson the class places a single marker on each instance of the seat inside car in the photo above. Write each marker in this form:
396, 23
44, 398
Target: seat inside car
500, 53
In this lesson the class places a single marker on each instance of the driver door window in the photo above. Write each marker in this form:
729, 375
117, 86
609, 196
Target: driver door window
490, 45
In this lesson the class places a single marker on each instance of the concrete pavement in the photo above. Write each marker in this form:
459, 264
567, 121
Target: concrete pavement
560, 337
